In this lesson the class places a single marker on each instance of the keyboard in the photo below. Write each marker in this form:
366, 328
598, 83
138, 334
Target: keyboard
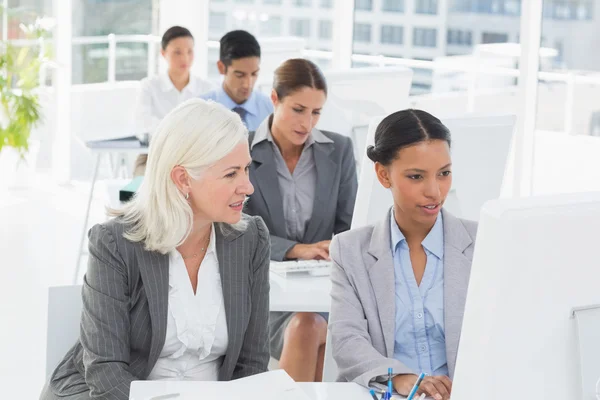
301, 267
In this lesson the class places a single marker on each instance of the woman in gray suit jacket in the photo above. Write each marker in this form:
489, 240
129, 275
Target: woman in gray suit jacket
306, 183
399, 287
177, 284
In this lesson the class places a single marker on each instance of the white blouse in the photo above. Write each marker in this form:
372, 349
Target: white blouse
158, 96
196, 339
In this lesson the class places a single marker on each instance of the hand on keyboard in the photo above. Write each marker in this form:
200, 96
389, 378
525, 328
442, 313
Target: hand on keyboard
315, 251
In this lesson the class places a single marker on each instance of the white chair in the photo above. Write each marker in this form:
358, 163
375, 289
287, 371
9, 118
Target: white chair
64, 314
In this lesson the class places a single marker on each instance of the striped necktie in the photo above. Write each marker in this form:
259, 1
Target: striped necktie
241, 112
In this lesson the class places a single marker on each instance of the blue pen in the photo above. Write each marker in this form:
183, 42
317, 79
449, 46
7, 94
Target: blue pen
416, 387
390, 390
373, 394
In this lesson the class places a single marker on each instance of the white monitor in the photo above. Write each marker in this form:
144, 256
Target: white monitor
534, 262
480, 149
357, 95
273, 52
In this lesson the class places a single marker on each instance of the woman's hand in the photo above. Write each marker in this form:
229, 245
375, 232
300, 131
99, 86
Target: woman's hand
438, 387
315, 251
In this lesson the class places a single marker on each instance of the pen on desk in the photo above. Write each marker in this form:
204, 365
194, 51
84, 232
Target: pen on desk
416, 387
165, 396
373, 394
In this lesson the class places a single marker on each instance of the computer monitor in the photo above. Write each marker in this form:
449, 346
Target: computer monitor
357, 95
534, 262
273, 52
480, 149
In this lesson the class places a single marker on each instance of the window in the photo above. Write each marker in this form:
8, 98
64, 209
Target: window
271, 1
568, 9
393, 5
303, 3
217, 22
325, 29
425, 37
491, 37
423, 71
504, 7
558, 45
326, 3
362, 33
459, 37
366, 5
271, 27
94, 18
244, 1
391, 34
300, 27
426, 6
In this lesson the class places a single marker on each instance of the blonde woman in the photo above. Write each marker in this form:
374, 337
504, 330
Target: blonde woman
177, 284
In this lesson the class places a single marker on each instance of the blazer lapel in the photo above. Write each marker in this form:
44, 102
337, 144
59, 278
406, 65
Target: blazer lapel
326, 171
234, 285
457, 268
266, 179
154, 270
381, 274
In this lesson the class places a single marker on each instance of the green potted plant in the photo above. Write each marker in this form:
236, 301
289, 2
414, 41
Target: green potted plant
20, 108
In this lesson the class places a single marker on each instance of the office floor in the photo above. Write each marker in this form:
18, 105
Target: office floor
39, 235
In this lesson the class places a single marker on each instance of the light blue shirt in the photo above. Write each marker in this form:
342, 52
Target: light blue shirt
258, 107
420, 340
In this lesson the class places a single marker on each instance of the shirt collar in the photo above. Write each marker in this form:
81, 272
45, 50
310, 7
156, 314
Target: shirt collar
433, 242
212, 245
249, 105
263, 132
167, 85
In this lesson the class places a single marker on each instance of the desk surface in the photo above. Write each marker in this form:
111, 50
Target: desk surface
144, 390
130, 144
309, 294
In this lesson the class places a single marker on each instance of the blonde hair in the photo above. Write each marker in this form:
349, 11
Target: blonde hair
195, 135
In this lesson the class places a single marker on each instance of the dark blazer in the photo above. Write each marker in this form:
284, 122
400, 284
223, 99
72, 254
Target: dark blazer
125, 302
335, 193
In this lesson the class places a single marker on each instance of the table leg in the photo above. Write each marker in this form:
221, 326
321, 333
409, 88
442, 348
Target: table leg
87, 217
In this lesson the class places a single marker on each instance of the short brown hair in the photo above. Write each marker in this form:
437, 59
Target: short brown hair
296, 73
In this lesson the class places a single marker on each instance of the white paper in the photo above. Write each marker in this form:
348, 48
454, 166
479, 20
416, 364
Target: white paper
272, 385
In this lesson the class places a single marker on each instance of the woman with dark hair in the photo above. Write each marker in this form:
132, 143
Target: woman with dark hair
399, 287
305, 187
161, 93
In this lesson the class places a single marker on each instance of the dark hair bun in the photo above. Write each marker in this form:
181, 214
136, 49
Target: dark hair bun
403, 129
372, 153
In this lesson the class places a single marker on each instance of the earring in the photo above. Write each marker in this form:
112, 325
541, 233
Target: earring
187, 196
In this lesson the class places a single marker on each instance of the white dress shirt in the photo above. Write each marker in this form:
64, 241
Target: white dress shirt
158, 96
196, 339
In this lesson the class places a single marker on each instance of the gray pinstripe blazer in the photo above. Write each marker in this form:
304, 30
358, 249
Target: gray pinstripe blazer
124, 318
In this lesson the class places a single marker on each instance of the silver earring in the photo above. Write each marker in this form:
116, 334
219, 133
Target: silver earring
187, 196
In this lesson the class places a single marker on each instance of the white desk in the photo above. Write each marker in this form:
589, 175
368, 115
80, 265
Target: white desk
145, 390
298, 294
